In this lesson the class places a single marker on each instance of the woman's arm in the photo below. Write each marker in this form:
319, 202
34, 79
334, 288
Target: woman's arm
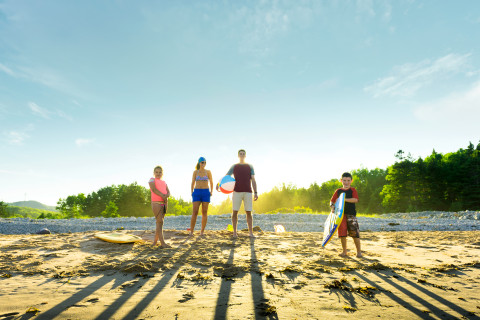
209, 174
168, 193
193, 181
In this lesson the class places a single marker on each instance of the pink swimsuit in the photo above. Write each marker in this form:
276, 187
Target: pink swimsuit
161, 186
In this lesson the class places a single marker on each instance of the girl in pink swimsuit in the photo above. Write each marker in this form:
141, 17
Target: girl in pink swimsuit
159, 193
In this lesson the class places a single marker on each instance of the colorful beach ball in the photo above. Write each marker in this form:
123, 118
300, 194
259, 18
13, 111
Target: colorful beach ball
227, 184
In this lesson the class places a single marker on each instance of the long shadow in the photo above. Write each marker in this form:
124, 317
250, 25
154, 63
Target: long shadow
143, 304
259, 301
79, 296
225, 289
419, 313
445, 302
110, 311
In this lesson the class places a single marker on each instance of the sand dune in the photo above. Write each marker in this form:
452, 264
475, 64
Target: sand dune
404, 275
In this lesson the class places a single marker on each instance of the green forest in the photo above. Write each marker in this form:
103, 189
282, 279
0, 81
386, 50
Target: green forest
440, 182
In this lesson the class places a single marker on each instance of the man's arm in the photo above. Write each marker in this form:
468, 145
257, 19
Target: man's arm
254, 186
230, 171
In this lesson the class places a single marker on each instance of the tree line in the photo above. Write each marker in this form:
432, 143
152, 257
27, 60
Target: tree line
449, 182
440, 182
443, 182
316, 198
122, 200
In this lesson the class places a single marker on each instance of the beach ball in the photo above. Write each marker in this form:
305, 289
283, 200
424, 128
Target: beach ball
226, 184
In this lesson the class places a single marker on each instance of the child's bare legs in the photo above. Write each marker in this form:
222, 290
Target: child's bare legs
157, 211
159, 231
204, 217
195, 208
343, 240
344, 246
234, 222
357, 245
250, 223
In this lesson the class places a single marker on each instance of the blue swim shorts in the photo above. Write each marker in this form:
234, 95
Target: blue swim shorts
202, 195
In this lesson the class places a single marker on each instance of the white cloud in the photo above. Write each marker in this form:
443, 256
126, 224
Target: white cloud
6, 69
44, 76
366, 7
260, 25
63, 115
463, 106
77, 103
407, 79
36, 109
387, 15
44, 113
473, 73
16, 137
82, 142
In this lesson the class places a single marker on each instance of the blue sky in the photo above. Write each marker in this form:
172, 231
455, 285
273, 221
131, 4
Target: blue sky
94, 93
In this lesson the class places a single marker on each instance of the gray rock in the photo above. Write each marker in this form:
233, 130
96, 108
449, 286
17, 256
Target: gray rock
43, 231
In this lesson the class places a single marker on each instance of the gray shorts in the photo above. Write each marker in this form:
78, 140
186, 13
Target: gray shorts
247, 199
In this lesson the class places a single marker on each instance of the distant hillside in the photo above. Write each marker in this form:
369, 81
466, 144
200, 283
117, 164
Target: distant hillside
32, 213
33, 204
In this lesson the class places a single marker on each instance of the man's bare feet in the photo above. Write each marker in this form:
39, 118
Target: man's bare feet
252, 236
359, 255
235, 236
343, 255
165, 245
190, 235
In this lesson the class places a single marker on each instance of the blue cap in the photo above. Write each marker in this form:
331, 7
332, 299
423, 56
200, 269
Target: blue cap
201, 159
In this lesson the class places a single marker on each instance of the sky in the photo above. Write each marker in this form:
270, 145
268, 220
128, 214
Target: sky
95, 93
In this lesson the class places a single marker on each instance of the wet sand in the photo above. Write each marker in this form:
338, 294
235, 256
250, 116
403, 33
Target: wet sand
403, 275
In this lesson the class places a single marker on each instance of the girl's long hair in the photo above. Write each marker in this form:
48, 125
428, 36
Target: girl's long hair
198, 166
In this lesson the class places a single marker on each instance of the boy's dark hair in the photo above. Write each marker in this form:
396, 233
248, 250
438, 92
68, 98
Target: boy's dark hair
241, 151
347, 175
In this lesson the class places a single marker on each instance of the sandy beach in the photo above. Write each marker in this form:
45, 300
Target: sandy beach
403, 275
